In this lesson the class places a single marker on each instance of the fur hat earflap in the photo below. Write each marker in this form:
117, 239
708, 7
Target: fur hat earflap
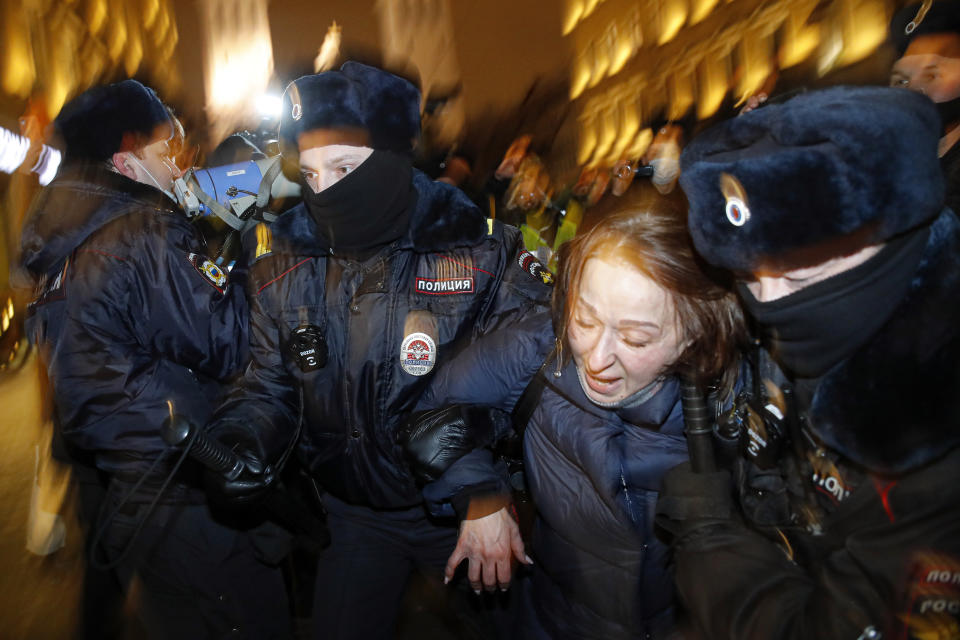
822, 166
358, 96
100, 121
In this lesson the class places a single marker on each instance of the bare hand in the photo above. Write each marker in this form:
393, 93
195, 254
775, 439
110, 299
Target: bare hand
490, 545
753, 102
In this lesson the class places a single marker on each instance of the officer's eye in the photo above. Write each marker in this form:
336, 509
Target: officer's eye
309, 174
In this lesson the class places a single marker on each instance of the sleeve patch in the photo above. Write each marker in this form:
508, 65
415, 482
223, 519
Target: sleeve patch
210, 272
529, 263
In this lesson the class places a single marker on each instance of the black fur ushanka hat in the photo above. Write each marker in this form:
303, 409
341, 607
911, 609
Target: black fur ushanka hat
96, 123
356, 95
820, 166
910, 22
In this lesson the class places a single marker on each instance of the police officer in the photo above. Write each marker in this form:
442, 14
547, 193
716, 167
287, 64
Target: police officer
356, 295
844, 522
927, 40
133, 321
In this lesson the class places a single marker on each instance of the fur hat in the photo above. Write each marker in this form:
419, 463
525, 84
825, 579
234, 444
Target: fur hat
942, 17
820, 166
99, 122
356, 95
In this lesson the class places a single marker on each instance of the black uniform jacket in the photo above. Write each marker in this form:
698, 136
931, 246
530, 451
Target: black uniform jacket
129, 314
342, 349
855, 533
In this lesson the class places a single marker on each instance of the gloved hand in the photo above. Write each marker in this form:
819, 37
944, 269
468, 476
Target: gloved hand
434, 439
248, 482
690, 500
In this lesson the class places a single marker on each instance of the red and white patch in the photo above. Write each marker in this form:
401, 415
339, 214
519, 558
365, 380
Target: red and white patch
209, 270
418, 354
444, 286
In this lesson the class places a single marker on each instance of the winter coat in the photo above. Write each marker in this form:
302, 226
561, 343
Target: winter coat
343, 348
855, 532
594, 474
131, 318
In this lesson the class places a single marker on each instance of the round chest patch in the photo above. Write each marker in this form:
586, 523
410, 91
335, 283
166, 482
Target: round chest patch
418, 354
737, 211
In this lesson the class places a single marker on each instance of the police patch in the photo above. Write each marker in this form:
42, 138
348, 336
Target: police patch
444, 286
210, 271
529, 263
418, 354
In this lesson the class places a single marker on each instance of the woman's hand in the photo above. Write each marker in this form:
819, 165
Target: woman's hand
490, 544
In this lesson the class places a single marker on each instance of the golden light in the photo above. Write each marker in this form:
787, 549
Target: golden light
680, 88
673, 15
624, 48
150, 10
16, 54
588, 7
601, 63
630, 120
700, 9
581, 77
756, 62
799, 40
640, 143
608, 133
831, 47
134, 56
163, 24
117, 39
588, 136
864, 25
242, 68
96, 15
573, 14
713, 84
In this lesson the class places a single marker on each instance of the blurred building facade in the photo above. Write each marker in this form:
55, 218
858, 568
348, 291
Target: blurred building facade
53, 49
637, 63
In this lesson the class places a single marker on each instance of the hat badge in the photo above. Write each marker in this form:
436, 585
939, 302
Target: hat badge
296, 108
736, 206
917, 19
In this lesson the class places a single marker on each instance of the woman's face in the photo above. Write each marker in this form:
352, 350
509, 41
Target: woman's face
623, 330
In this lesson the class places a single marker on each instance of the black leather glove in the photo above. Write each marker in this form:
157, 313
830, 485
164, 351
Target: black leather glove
434, 439
689, 500
248, 482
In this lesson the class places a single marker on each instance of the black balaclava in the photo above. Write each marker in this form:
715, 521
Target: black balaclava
368, 208
949, 112
813, 329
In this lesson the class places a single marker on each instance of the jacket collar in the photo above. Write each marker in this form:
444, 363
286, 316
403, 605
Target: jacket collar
443, 218
892, 405
651, 414
81, 199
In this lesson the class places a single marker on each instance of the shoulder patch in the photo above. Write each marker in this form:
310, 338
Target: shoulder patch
264, 241
529, 263
210, 272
